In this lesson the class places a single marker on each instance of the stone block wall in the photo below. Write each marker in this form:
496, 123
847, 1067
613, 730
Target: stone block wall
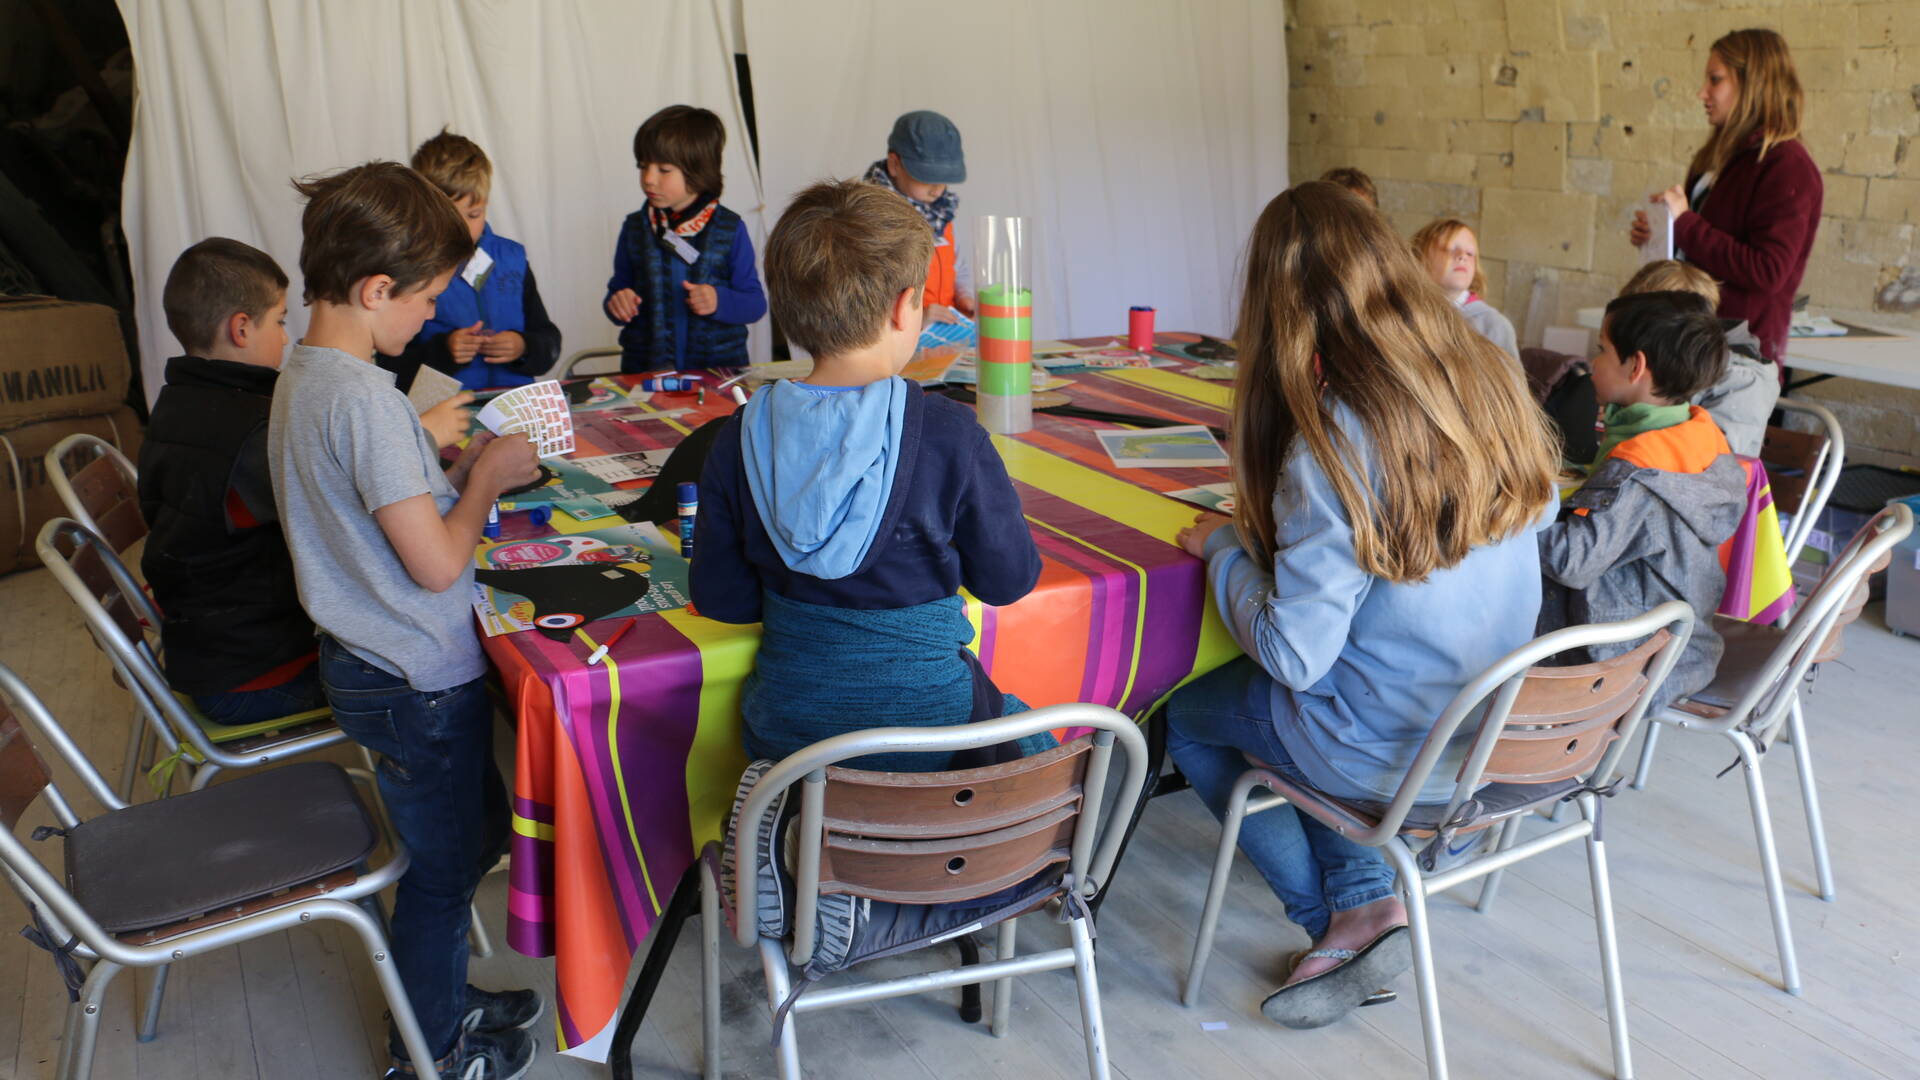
1546, 123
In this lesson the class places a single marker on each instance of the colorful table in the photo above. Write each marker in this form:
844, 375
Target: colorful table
626, 768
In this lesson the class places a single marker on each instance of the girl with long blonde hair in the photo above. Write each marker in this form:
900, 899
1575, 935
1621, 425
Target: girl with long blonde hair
1750, 207
1391, 471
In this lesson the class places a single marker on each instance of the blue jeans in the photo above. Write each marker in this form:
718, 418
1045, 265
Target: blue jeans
237, 707
1211, 723
446, 800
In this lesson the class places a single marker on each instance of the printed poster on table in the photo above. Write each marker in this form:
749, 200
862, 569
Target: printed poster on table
557, 584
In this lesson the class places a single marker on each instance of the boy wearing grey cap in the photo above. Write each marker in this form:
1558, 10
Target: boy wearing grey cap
923, 161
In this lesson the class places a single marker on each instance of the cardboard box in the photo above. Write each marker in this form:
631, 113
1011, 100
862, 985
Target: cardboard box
27, 500
59, 359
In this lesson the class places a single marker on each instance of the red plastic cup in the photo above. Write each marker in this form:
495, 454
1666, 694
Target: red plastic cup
1140, 329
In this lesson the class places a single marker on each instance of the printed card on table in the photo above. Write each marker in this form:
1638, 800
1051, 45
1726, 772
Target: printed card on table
620, 468
1189, 446
538, 409
557, 584
1215, 497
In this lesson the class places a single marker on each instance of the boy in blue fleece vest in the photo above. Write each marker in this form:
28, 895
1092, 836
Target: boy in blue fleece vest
683, 286
844, 511
490, 329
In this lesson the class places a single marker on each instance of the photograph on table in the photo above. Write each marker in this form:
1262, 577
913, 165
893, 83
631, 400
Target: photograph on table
1189, 446
1215, 497
557, 584
1207, 350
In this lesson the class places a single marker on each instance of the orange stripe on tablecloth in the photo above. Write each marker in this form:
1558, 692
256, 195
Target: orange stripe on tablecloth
1094, 458
1040, 644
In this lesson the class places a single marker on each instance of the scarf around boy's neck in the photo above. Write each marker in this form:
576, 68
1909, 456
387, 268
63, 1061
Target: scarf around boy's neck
939, 213
686, 222
1623, 422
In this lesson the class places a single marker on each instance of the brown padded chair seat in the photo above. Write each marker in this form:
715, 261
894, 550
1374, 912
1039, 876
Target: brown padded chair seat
160, 862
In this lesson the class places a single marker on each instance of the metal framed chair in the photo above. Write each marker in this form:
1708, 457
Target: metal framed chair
926, 838
1545, 734
1755, 695
570, 367
1803, 469
147, 885
99, 488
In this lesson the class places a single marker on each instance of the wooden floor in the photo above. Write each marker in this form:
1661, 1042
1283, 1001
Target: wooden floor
1520, 984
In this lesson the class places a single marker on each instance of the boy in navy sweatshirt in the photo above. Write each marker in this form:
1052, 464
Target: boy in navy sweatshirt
683, 284
845, 510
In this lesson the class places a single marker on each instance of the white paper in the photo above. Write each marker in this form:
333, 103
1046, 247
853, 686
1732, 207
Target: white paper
431, 387
1190, 446
620, 468
477, 267
1659, 243
539, 409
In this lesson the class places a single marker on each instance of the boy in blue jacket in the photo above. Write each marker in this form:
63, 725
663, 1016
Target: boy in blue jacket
845, 510
683, 287
490, 329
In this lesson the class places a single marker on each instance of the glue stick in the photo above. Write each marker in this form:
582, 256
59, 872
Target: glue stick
689, 506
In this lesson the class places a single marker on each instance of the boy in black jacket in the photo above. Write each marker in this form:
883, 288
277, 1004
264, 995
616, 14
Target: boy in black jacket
236, 638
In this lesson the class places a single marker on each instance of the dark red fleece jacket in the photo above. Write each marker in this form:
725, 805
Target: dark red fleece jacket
1753, 233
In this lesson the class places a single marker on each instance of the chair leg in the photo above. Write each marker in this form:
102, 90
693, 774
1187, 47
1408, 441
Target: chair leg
1645, 768
1091, 1022
1810, 796
773, 960
1490, 885
136, 750
478, 943
84, 1022
1609, 941
1413, 892
709, 977
1003, 988
156, 993
203, 775
1217, 887
1769, 860
387, 973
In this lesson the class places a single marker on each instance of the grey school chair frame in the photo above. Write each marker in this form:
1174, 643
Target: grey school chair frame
66, 920
1756, 695
1822, 478
1517, 751
565, 368
103, 493
1087, 866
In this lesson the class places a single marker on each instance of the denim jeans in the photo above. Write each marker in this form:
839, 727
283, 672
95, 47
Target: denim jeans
236, 707
1211, 723
445, 797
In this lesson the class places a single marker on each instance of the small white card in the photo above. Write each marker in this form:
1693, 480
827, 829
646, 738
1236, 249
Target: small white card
1189, 446
477, 267
1659, 243
681, 248
620, 468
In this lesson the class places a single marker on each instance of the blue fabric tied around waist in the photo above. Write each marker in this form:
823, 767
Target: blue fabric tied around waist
825, 671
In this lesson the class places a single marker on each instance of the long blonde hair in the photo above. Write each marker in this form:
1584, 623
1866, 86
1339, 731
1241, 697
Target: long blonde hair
1336, 312
1770, 98
1436, 235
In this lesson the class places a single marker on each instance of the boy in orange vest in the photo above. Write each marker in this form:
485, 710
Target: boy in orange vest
923, 160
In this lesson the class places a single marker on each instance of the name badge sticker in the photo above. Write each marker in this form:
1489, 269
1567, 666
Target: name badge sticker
681, 248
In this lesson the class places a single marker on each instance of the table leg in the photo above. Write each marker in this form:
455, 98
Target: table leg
1156, 786
685, 900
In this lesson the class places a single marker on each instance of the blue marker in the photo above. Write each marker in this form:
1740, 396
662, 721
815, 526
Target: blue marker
492, 529
689, 506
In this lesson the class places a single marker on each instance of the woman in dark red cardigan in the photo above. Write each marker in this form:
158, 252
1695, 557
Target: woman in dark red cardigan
1751, 204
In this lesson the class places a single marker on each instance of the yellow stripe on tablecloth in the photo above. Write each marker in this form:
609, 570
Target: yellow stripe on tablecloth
716, 759
538, 830
1200, 391
620, 774
1104, 494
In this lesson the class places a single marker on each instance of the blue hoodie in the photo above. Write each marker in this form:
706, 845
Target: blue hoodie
820, 463
880, 497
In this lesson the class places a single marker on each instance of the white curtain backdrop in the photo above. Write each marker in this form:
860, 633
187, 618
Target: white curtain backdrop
1142, 136
238, 96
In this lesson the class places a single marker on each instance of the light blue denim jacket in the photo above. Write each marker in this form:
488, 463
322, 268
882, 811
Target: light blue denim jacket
1363, 667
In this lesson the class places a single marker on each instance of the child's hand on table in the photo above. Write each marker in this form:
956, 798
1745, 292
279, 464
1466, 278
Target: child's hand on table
701, 299
503, 347
463, 343
1193, 538
447, 421
623, 305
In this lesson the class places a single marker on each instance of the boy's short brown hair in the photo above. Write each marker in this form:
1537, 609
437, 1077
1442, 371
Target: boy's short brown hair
456, 165
213, 279
377, 218
689, 139
1355, 181
839, 257
1685, 348
1673, 275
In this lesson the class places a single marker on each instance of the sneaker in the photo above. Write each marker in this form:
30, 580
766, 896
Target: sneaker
491, 1011
507, 1055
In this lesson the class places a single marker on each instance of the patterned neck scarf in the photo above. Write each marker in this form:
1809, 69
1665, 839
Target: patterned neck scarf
939, 213
687, 222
